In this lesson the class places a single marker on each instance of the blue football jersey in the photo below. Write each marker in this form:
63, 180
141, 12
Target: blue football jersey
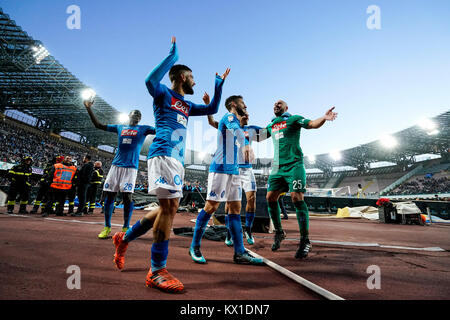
230, 140
130, 140
172, 111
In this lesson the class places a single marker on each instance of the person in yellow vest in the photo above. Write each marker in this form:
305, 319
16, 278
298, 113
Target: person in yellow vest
61, 176
96, 181
19, 176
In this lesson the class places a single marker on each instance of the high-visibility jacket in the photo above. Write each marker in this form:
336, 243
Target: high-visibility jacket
97, 176
62, 178
20, 174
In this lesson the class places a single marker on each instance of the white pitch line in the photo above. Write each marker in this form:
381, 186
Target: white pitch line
312, 286
368, 244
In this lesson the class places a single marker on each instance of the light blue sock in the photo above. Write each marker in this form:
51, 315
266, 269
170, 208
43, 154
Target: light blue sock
109, 206
236, 232
200, 227
249, 218
127, 213
160, 251
138, 229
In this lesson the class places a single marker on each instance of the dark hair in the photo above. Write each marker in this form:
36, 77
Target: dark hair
176, 71
230, 100
88, 157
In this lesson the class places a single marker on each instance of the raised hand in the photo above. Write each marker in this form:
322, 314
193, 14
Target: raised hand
330, 115
88, 103
174, 40
206, 98
225, 74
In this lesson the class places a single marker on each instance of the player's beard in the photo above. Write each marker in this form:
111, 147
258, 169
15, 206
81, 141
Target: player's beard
187, 88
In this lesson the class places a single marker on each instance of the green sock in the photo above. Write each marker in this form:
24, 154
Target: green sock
302, 218
274, 213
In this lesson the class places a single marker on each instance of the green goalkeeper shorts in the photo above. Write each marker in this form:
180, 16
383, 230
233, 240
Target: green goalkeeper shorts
290, 177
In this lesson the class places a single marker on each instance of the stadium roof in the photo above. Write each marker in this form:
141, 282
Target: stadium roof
33, 82
410, 142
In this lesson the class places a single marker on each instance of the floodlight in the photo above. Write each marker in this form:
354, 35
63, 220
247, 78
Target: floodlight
427, 124
40, 53
312, 158
335, 155
388, 141
88, 94
123, 118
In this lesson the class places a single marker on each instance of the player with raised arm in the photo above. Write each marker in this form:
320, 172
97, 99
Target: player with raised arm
288, 171
248, 181
165, 163
123, 172
224, 183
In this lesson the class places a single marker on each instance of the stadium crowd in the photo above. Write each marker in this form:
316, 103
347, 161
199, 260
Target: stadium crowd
424, 186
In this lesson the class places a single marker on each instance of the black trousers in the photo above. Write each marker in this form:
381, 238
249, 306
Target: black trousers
56, 195
92, 195
22, 190
82, 191
42, 194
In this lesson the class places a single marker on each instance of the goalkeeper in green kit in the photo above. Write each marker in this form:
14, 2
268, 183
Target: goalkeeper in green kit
288, 171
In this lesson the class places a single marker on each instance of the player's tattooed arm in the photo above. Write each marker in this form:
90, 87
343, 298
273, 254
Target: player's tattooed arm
211, 121
88, 104
329, 116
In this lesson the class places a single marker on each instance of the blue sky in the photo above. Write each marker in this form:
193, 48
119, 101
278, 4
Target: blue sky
312, 54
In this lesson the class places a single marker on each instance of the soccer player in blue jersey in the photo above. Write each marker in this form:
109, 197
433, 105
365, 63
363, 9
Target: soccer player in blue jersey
123, 172
224, 183
165, 163
248, 181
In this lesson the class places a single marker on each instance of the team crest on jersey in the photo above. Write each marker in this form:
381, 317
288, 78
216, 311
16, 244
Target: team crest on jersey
180, 106
129, 133
279, 126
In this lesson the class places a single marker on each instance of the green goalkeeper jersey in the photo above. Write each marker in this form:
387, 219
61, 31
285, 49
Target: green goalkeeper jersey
285, 132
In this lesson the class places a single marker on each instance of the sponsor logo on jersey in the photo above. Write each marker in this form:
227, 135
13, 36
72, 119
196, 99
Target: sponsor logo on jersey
129, 133
180, 106
212, 194
279, 126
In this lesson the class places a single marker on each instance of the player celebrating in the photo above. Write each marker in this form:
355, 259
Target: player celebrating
288, 171
123, 172
165, 163
224, 183
248, 181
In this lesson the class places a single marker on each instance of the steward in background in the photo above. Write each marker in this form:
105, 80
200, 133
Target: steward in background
61, 176
19, 176
44, 185
96, 181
